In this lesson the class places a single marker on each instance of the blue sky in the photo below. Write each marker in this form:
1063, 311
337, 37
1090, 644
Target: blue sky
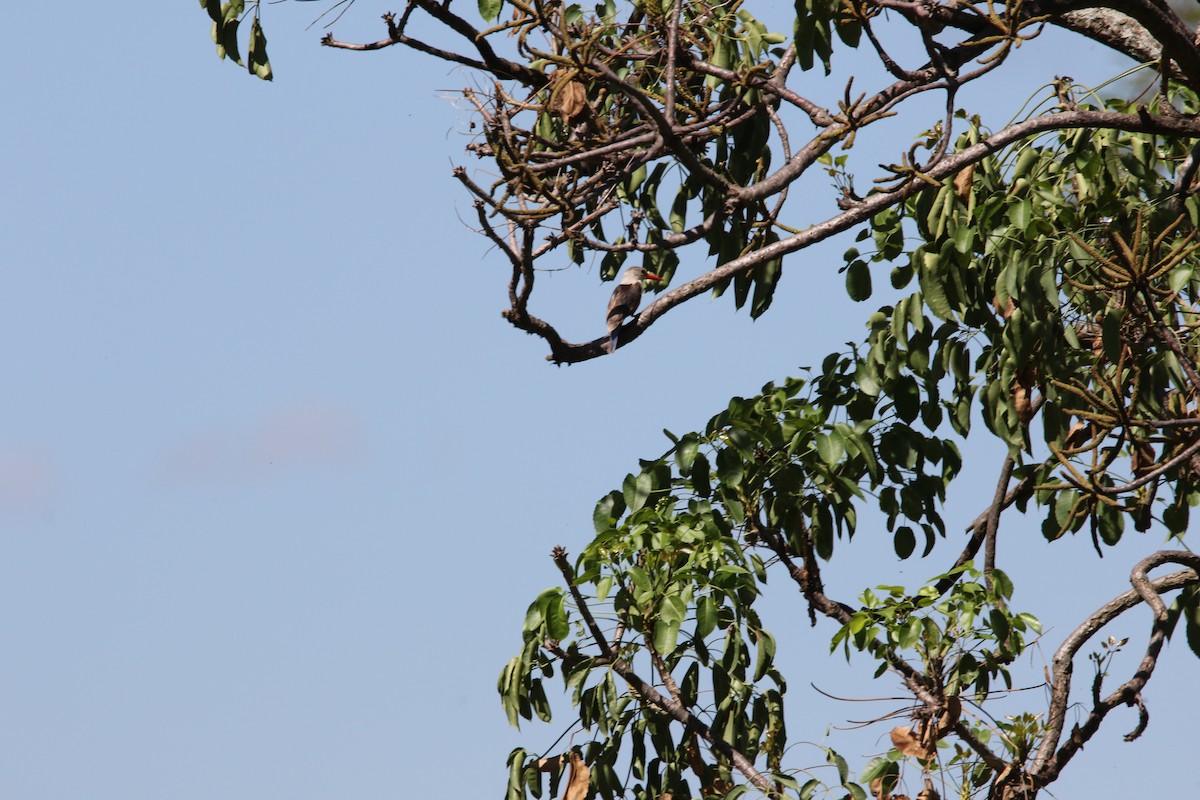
269, 523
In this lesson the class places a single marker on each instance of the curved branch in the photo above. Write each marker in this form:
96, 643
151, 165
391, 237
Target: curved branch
1112, 29
1049, 761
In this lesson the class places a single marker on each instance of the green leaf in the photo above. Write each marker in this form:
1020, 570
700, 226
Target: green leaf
1025, 161
843, 769
765, 656
830, 447
1002, 583
999, 624
537, 699
516, 769
490, 9
685, 454
909, 633
1180, 277
636, 490
867, 379
858, 281
1110, 334
608, 511
257, 61
610, 265
706, 616
673, 609
1190, 603
558, 625
627, 189
934, 294
227, 42
907, 396
766, 278
700, 476
536, 615
666, 635
231, 11
1020, 213
729, 467
642, 588
822, 528
877, 768
678, 215
905, 541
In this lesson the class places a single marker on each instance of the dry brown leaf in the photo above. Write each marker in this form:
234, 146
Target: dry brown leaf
909, 743
719, 787
1022, 402
949, 717
1078, 435
877, 789
1006, 310
1022, 392
577, 784
570, 100
962, 182
928, 793
549, 764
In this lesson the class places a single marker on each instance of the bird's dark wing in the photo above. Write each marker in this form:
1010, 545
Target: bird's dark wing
624, 303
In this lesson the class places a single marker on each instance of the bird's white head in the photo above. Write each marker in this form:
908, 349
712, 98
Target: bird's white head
637, 275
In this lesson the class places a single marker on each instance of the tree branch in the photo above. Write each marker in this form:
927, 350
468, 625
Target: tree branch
1143, 122
1049, 762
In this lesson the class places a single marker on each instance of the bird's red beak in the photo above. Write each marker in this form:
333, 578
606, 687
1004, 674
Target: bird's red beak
650, 276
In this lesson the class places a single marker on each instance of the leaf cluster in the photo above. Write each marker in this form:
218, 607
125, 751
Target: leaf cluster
226, 19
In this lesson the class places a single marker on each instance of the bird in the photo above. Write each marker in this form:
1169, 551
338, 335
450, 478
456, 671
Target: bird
625, 299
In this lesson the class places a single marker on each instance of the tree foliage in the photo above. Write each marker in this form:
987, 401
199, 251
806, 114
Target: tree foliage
1048, 286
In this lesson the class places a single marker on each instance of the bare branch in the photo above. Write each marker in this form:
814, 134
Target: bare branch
1049, 761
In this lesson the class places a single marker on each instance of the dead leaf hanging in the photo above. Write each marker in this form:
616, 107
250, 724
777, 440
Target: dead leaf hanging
908, 743
962, 182
577, 784
570, 101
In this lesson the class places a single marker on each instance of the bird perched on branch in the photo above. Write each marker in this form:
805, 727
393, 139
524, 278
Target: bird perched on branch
625, 300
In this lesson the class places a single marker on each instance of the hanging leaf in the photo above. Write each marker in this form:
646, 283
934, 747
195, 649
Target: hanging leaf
257, 55
570, 101
490, 9
858, 280
579, 780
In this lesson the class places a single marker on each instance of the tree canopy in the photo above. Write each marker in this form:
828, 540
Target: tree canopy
1046, 288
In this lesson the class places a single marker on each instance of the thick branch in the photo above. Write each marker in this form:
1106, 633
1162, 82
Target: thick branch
1112, 29
993, 519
